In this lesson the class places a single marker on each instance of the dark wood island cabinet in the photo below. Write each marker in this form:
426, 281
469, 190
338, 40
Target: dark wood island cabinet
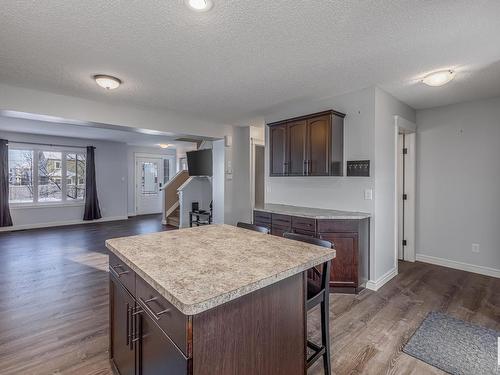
169, 315
349, 232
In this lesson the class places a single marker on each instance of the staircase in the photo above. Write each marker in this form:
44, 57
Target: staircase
171, 199
173, 218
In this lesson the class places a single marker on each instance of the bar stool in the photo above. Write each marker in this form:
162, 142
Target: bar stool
318, 293
253, 227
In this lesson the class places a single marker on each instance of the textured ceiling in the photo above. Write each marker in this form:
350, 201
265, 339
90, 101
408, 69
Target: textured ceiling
244, 58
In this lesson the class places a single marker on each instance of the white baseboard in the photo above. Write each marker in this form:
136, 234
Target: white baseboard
377, 284
488, 271
60, 223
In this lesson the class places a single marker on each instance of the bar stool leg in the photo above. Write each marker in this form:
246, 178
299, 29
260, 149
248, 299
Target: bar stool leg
325, 333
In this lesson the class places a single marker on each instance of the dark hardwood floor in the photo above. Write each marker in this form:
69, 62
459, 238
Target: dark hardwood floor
54, 305
54, 297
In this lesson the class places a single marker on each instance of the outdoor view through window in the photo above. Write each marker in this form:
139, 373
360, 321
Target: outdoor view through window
39, 176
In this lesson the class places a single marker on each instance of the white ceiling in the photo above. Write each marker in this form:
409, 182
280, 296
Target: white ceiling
244, 58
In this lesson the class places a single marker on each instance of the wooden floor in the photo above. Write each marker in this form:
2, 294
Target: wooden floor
54, 305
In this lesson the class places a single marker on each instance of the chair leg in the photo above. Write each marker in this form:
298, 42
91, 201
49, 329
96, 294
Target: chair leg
325, 335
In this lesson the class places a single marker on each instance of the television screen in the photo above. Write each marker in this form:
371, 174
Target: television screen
200, 162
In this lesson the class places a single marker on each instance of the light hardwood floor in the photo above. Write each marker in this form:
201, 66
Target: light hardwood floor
54, 305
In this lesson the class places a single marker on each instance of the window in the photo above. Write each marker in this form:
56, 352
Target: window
39, 176
149, 178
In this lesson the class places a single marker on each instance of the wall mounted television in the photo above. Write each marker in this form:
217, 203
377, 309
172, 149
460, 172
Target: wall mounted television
199, 162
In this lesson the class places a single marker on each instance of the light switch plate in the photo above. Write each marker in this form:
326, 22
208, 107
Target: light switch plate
368, 194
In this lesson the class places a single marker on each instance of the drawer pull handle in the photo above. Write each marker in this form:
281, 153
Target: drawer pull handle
119, 273
156, 315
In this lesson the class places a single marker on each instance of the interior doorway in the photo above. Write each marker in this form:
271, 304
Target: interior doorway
406, 191
149, 172
257, 183
259, 176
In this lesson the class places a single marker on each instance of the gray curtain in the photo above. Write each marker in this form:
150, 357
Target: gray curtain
92, 210
5, 218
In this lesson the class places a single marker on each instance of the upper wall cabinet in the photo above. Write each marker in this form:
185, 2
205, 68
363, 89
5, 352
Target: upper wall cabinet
311, 145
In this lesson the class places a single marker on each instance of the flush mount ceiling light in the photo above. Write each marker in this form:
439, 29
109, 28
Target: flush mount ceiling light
200, 5
107, 82
439, 78
163, 145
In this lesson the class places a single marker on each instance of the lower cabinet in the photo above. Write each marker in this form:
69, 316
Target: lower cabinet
122, 349
350, 268
157, 354
138, 345
344, 269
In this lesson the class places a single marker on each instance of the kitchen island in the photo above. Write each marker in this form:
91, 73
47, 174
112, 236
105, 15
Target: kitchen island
210, 300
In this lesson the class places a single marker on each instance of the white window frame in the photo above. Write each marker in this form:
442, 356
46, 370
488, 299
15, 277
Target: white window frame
64, 202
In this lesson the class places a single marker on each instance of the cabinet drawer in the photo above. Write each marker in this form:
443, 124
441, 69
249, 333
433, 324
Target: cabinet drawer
304, 232
333, 226
278, 231
168, 318
262, 216
122, 272
284, 221
304, 223
265, 224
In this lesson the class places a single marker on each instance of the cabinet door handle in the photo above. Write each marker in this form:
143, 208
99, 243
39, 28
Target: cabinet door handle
119, 273
128, 334
156, 315
304, 170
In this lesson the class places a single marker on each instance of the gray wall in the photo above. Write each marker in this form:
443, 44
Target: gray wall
386, 107
369, 133
458, 182
111, 176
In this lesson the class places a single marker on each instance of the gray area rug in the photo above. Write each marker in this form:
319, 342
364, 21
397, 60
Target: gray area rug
455, 346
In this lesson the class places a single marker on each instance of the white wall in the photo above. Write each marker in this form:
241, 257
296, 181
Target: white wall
131, 151
218, 177
111, 176
241, 208
386, 107
195, 189
458, 184
42, 102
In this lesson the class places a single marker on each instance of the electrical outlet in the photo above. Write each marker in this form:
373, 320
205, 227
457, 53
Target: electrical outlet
368, 194
475, 248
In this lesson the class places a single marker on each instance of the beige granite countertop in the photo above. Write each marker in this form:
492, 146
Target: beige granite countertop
197, 269
314, 213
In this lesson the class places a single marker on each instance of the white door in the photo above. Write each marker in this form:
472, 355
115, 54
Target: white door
148, 176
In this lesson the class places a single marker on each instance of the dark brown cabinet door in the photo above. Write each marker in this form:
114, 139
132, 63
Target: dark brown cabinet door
278, 150
344, 270
297, 134
157, 354
318, 146
122, 351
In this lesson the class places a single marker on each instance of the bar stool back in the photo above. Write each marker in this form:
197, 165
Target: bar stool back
253, 227
318, 281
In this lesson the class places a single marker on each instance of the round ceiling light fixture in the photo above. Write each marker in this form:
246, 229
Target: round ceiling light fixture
163, 145
439, 78
107, 82
200, 5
